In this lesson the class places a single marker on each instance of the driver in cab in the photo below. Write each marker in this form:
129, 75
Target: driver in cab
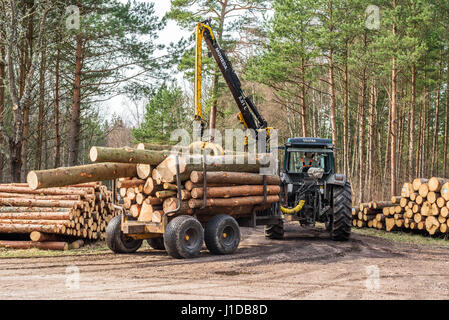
307, 161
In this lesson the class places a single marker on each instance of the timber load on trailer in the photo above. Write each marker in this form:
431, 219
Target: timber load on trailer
181, 205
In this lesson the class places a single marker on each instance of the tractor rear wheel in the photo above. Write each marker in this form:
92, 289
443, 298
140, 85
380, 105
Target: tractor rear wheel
184, 237
275, 231
341, 220
222, 234
117, 241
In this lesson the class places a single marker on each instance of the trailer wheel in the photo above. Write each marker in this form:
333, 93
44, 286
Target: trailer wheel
117, 241
156, 243
274, 231
222, 234
184, 237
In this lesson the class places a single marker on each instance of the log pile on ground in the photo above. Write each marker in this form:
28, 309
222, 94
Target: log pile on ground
423, 206
55, 216
234, 185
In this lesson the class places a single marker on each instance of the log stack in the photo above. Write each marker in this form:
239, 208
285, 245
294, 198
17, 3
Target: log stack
423, 206
234, 184
56, 215
234, 193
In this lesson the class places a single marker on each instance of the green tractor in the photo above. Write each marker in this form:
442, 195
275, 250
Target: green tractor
311, 191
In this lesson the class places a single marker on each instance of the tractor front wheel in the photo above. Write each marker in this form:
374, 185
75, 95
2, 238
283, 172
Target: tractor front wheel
275, 231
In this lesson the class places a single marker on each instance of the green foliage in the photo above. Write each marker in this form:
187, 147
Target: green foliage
165, 112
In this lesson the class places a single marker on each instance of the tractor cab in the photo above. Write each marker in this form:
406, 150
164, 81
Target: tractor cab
308, 158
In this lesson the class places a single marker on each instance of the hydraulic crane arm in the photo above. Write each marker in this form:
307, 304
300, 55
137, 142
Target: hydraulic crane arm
249, 116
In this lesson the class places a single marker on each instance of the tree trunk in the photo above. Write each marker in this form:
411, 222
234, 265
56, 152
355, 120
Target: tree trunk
446, 126
75, 121
434, 168
61, 177
411, 154
57, 162
40, 134
2, 104
345, 114
394, 110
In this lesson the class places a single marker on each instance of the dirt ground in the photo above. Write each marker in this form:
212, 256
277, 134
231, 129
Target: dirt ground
306, 265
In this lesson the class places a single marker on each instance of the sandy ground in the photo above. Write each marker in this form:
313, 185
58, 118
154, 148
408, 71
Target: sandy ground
306, 265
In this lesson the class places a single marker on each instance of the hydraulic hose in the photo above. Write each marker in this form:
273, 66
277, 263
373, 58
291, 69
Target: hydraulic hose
295, 209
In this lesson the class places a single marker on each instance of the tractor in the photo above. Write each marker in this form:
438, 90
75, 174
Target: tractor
311, 191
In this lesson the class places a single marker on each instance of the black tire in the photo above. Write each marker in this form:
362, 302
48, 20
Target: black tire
222, 234
184, 237
274, 231
342, 203
117, 241
156, 243
328, 223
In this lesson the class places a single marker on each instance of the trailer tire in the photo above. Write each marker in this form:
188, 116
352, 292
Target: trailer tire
156, 243
342, 215
222, 234
117, 241
274, 231
184, 237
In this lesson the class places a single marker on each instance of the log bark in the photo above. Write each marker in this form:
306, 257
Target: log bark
37, 215
166, 171
31, 244
232, 202
127, 155
239, 191
28, 228
130, 183
47, 192
74, 175
43, 197
22, 202
233, 178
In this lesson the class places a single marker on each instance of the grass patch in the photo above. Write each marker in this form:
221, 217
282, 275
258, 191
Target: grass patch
93, 248
410, 238
89, 249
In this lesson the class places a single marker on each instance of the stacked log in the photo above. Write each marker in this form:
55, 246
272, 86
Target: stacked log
57, 215
423, 206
